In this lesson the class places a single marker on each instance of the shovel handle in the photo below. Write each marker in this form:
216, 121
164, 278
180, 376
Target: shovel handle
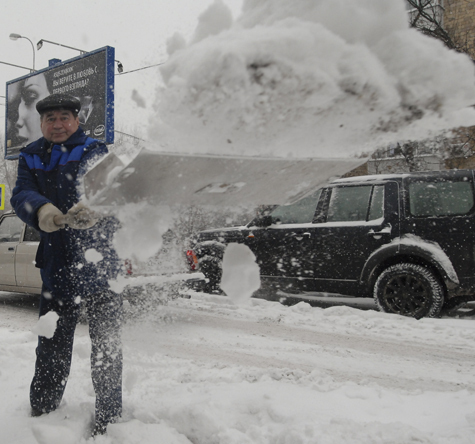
61, 219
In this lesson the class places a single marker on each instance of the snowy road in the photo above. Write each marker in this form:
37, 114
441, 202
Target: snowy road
358, 356
203, 370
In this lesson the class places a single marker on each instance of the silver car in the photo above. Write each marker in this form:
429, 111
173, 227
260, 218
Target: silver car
18, 246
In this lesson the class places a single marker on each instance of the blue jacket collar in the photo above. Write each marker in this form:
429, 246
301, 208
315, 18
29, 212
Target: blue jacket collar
38, 147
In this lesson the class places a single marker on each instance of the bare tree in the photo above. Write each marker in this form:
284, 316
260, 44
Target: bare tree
430, 18
410, 156
459, 151
452, 22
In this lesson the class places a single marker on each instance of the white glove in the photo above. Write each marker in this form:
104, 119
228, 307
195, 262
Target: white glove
81, 217
50, 218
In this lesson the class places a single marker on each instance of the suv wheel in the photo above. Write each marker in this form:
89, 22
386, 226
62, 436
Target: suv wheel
409, 290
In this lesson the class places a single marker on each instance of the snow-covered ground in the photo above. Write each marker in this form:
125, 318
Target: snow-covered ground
206, 371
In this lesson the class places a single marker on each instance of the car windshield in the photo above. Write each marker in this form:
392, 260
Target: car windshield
10, 229
300, 212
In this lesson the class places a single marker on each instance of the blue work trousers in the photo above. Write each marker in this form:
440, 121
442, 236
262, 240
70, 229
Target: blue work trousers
53, 356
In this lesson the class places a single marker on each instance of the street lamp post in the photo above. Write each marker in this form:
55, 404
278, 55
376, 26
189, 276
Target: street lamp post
14, 36
39, 45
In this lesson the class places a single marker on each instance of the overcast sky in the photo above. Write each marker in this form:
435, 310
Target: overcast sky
137, 29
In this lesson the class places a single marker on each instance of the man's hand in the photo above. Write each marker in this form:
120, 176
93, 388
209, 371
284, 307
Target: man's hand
81, 217
50, 218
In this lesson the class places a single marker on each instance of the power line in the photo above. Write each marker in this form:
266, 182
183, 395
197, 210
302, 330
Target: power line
129, 135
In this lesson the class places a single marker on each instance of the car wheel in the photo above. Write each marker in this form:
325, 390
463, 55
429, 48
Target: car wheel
409, 290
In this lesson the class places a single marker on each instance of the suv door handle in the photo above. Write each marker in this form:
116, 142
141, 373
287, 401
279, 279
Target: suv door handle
383, 232
301, 236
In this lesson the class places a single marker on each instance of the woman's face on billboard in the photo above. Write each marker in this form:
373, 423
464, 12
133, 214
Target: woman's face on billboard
28, 124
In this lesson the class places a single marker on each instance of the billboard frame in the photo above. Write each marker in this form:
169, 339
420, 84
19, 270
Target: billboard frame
108, 135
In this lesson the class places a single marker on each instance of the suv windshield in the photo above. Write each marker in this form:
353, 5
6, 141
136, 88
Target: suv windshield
300, 212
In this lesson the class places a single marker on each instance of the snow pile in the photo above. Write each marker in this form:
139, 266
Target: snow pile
136, 432
53, 434
321, 78
240, 273
46, 325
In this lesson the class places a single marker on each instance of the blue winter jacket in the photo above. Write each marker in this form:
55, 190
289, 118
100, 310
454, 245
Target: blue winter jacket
50, 174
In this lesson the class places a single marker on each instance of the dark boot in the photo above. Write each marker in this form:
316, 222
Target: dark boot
35, 412
99, 429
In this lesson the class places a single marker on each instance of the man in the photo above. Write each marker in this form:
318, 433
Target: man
46, 197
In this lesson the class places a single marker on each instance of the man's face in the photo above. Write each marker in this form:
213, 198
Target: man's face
58, 125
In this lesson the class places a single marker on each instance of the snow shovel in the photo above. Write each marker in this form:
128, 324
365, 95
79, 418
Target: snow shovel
165, 178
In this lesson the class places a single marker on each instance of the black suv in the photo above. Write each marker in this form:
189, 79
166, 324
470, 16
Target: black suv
406, 239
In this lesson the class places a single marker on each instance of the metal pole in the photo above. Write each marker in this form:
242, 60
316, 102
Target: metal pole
33, 48
40, 44
17, 66
15, 36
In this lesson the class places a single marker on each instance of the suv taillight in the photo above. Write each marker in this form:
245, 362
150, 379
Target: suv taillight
192, 259
128, 266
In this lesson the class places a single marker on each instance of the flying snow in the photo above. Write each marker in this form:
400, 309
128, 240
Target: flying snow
92, 255
321, 78
46, 325
240, 273
215, 19
138, 99
142, 227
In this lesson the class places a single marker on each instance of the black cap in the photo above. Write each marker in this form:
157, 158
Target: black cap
58, 101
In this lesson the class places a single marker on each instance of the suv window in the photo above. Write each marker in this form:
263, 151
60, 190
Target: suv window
300, 212
357, 203
440, 198
10, 229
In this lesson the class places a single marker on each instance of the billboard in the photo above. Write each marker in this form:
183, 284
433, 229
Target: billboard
89, 77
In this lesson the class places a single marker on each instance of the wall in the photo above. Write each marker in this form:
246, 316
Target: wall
459, 21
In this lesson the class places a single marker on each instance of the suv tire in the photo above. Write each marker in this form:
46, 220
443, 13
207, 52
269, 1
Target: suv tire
409, 290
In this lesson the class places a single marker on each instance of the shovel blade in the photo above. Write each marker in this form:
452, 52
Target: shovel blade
162, 178
100, 177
